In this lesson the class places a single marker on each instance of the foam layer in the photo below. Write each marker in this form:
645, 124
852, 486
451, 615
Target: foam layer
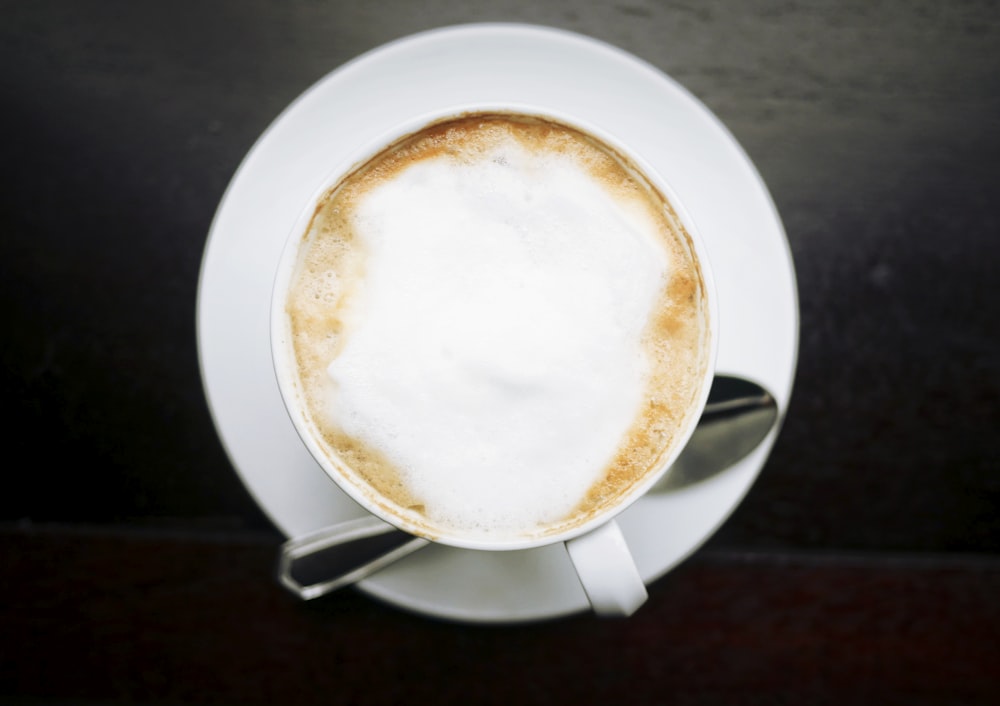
497, 327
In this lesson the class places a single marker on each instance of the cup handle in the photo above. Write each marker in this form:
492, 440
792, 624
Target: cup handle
607, 571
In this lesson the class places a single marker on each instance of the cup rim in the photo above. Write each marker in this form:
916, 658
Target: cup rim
283, 356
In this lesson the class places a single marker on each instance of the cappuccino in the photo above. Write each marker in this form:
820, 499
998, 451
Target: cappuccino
498, 328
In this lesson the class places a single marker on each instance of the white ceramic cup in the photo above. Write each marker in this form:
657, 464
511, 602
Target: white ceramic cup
597, 547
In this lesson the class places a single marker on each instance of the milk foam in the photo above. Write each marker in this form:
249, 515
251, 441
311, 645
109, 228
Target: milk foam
494, 356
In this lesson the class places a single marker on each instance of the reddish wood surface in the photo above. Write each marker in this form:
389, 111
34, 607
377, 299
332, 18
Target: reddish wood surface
118, 617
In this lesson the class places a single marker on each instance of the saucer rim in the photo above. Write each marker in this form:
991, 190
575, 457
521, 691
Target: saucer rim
374, 586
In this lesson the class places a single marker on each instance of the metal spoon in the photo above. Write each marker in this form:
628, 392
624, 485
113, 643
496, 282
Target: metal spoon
736, 418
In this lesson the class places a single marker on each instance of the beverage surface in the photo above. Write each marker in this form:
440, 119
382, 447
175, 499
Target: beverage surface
499, 327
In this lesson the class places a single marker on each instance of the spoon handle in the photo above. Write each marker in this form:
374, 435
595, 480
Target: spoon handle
348, 552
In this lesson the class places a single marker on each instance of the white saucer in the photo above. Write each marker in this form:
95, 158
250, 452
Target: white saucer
488, 63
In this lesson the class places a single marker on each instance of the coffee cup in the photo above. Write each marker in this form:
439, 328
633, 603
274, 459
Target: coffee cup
495, 328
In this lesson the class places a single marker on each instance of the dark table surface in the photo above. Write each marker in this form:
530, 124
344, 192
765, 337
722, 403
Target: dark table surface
863, 567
